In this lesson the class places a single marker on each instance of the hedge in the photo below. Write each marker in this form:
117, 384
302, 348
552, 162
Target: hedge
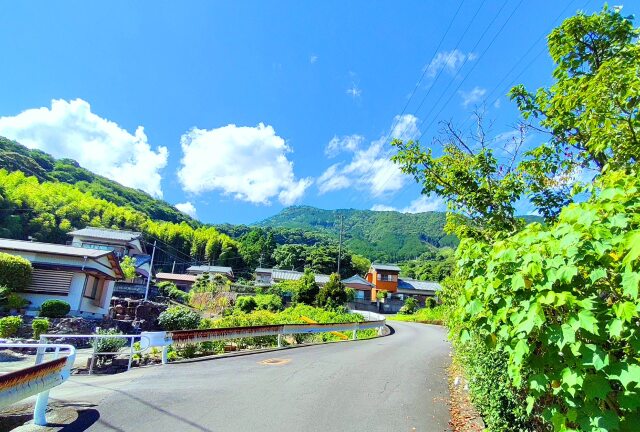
15, 272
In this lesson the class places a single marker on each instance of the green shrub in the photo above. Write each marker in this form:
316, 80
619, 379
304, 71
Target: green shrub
270, 302
246, 304
559, 306
169, 289
9, 326
105, 345
410, 306
332, 294
15, 301
4, 294
179, 318
54, 309
39, 326
430, 302
306, 288
15, 272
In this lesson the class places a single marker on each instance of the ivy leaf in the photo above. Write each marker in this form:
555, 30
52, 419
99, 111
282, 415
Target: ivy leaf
630, 282
593, 355
517, 282
625, 373
625, 310
567, 272
568, 335
596, 386
588, 321
632, 242
474, 307
597, 274
615, 327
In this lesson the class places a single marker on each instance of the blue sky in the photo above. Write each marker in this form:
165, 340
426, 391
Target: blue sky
236, 109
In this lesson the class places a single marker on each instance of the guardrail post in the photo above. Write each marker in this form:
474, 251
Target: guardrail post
130, 354
279, 340
41, 350
93, 355
40, 409
354, 335
165, 352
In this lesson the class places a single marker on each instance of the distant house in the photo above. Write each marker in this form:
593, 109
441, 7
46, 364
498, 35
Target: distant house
82, 277
121, 242
361, 286
270, 276
198, 270
182, 281
385, 277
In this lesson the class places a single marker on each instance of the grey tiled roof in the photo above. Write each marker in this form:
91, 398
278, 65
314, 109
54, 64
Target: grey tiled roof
280, 275
357, 279
106, 233
50, 248
210, 269
411, 284
387, 267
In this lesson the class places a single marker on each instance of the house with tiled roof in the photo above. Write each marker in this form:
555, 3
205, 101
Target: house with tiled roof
82, 277
386, 277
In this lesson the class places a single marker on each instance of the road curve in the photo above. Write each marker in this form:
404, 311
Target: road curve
395, 383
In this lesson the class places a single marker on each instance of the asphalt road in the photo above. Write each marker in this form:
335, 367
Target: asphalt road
394, 383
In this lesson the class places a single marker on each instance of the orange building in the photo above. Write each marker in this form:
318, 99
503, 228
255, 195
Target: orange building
384, 277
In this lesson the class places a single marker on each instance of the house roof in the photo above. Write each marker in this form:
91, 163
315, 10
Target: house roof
177, 277
264, 270
280, 274
357, 280
210, 269
386, 267
106, 233
415, 285
50, 248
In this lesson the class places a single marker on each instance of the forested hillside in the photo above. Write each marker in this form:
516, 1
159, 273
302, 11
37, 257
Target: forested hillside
33, 162
384, 236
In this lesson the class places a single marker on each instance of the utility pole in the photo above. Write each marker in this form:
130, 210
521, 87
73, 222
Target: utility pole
340, 243
153, 253
173, 267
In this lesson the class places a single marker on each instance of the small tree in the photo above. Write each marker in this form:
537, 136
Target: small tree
307, 288
128, 267
410, 306
179, 318
15, 272
333, 293
246, 304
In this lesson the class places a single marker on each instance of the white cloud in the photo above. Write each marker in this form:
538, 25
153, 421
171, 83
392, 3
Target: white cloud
69, 129
249, 163
187, 208
424, 203
473, 96
370, 169
313, 58
497, 103
348, 143
354, 91
406, 127
450, 61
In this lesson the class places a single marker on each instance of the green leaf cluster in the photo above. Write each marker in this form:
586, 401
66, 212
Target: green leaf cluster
561, 303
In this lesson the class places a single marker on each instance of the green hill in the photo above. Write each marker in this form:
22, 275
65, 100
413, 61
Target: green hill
16, 157
383, 236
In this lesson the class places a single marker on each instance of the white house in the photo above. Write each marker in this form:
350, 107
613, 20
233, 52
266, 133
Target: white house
82, 277
121, 242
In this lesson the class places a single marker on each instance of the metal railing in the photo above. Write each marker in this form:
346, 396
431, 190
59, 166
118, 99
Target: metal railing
37, 379
94, 344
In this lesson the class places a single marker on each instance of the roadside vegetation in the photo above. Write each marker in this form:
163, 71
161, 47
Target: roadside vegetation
544, 317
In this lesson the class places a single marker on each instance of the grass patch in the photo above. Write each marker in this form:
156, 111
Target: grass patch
425, 315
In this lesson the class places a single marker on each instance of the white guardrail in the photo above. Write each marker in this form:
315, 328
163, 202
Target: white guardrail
37, 379
44, 375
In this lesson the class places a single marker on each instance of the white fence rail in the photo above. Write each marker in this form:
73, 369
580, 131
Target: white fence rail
37, 379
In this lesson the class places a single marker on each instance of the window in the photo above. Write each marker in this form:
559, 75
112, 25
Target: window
92, 287
387, 277
379, 276
50, 282
360, 295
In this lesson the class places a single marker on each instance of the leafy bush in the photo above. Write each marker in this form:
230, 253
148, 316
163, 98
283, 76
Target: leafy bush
15, 272
332, 294
430, 302
246, 304
179, 318
4, 294
410, 306
307, 288
39, 326
560, 303
15, 301
169, 289
128, 267
434, 315
270, 302
54, 308
105, 345
9, 326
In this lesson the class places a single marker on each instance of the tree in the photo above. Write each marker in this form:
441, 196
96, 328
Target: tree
307, 288
590, 113
480, 190
333, 293
128, 267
